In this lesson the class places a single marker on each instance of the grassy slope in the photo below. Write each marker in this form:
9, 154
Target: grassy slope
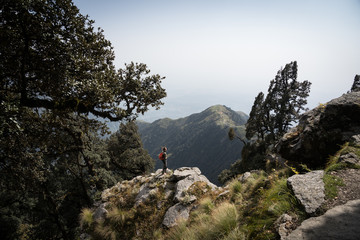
246, 210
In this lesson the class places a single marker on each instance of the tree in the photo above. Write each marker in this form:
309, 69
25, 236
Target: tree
255, 123
56, 70
52, 58
270, 118
285, 100
356, 84
128, 158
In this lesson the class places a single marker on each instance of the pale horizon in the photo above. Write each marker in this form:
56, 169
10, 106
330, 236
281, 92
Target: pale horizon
226, 52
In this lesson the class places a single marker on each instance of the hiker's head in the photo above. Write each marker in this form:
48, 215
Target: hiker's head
164, 149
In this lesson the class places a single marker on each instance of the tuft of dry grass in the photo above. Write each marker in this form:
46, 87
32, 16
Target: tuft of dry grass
86, 218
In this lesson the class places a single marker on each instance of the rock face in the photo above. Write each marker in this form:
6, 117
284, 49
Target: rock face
341, 222
322, 130
308, 189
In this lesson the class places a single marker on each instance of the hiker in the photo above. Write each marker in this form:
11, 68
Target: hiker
163, 158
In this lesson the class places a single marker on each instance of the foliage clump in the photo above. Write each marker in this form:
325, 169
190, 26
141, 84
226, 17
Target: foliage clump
57, 80
270, 118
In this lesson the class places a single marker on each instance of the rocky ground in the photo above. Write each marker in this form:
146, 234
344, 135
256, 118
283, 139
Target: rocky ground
350, 190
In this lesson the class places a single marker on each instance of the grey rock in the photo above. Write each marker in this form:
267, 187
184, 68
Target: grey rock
100, 211
351, 158
111, 192
169, 188
244, 177
85, 236
145, 192
106, 194
224, 194
158, 172
183, 185
309, 189
184, 172
322, 131
355, 139
174, 214
341, 222
282, 224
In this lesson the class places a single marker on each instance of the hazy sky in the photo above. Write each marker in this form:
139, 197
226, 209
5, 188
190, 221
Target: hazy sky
227, 51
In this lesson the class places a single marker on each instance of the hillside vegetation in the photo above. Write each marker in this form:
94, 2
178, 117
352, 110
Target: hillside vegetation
251, 206
259, 204
199, 140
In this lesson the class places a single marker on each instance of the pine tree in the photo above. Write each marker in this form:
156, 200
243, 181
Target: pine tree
286, 98
255, 123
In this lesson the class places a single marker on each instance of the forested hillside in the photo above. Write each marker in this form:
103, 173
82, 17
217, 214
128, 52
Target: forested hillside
199, 140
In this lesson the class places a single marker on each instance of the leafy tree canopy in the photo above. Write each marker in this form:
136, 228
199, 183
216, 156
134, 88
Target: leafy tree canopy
52, 58
56, 70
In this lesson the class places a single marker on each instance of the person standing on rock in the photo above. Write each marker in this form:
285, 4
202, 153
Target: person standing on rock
163, 158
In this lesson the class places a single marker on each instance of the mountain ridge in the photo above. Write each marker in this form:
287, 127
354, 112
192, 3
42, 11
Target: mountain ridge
201, 134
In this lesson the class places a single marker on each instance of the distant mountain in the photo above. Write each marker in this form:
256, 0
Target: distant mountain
199, 140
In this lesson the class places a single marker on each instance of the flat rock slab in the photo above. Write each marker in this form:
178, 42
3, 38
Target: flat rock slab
309, 189
341, 222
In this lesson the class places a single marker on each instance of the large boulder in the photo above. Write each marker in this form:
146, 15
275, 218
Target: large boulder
322, 130
186, 177
341, 222
308, 189
176, 213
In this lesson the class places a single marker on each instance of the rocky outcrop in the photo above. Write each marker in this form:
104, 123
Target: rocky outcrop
308, 189
172, 187
350, 158
341, 222
176, 213
321, 131
186, 177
